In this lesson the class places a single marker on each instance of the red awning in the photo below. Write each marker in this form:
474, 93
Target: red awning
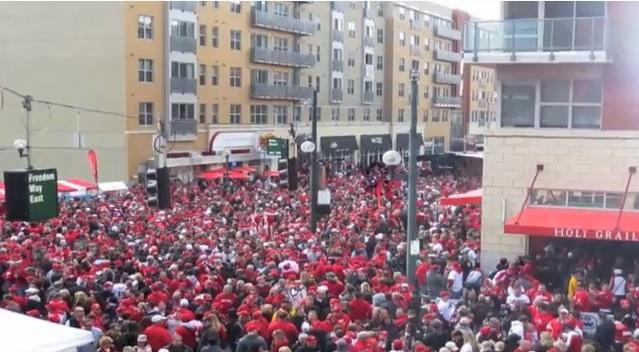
592, 224
470, 197
234, 175
271, 173
63, 187
80, 183
212, 175
243, 168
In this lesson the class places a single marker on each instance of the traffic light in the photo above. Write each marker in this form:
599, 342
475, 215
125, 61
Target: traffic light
282, 169
158, 188
151, 185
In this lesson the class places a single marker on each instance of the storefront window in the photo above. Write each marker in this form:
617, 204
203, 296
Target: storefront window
583, 199
548, 197
586, 199
518, 105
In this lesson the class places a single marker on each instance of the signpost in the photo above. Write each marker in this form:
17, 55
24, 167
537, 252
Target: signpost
274, 146
31, 195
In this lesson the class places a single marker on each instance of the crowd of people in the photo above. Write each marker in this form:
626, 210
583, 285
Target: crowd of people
237, 268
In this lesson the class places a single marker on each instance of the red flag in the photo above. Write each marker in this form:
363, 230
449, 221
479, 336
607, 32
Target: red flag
93, 164
379, 193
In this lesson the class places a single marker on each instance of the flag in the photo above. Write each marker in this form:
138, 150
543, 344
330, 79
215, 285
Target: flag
93, 164
379, 189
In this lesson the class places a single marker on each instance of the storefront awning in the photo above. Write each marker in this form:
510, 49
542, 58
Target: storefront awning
591, 224
333, 144
401, 143
471, 197
375, 142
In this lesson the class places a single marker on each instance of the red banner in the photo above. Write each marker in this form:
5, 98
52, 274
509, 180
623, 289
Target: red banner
93, 164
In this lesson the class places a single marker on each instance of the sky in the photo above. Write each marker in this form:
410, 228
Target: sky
482, 9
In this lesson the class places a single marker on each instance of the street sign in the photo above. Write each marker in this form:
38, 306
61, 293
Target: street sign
274, 146
31, 195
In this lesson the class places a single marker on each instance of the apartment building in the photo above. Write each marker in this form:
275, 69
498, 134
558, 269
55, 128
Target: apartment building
479, 104
559, 168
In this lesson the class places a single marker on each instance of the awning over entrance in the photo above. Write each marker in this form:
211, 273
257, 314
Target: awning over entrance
401, 143
338, 143
471, 197
375, 142
591, 224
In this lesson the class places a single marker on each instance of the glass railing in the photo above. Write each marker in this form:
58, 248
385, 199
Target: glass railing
285, 58
550, 34
282, 23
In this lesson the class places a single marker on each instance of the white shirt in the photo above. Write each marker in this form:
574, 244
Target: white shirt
618, 286
458, 280
446, 309
512, 301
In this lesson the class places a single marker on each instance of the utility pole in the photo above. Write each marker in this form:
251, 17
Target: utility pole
413, 243
27, 106
314, 169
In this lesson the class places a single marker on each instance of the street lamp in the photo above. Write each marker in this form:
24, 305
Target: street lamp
392, 158
413, 242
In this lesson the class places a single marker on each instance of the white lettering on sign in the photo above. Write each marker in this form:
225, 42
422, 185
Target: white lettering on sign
609, 235
376, 140
35, 189
48, 176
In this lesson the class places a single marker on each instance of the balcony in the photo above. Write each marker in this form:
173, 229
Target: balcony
283, 58
445, 55
338, 36
183, 44
337, 95
447, 33
268, 20
183, 85
337, 65
369, 42
569, 40
368, 97
183, 127
447, 78
189, 6
414, 50
271, 91
446, 102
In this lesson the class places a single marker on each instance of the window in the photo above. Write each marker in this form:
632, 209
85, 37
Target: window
215, 75
235, 115
297, 113
368, 59
281, 114
281, 44
426, 68
380, 36
366, 114
380, 10
259, 115
281, 9
280, 78
334, 114
414, 65
182, 70
402, 38
586, 110
402, 64
236, 6
435, 117
202, 75
380, 62
351, 114
400, 89
259, 76
310, 81
425, 116
202, 35
351, 62
145, 27
215, 37
445, 115
379, 116
426, 92
235, 76
319, 114
337, 54
216, 4
215, 110
566, 103
402, 13
182, 111
236, 40
352, 4
518, 105
350, 88
145, 114
400, 115
145, 70
379, 89
438, 145
317, 84
555, 98
351, 29
202, 113
368, 87
182, 29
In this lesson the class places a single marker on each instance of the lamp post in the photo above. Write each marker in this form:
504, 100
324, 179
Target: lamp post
413, 243
21, 147
226, 156
392, 158
314, 169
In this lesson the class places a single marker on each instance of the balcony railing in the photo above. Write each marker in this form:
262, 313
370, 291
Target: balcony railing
338, 36
368, 97
183, 127
445, 55
190, 6
337, 95
183, 44
369, 42
447, 78
448, 33
537, 35
284, 58
446, 102
414, 50
271, 91
337, 65
183, 85
282, 23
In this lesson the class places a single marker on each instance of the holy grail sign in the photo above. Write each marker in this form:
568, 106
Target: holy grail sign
592, 234
31, 195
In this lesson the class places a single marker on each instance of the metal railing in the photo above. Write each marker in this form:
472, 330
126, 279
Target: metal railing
445, 55
414, 50
282, 23
448, 33
338, 36
443, 102
183, 44
190, 6
530, 35
337, 65
183, 85
183, 127
337, 95
284, 58
271, 91
369, 42
447, 78
368, 97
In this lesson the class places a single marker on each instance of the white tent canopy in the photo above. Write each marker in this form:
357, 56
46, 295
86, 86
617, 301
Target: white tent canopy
21, 333
112, 186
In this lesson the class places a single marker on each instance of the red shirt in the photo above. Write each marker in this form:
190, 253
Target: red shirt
582, 301
188, 336
158, 337
360, 309
622, 333
289, 329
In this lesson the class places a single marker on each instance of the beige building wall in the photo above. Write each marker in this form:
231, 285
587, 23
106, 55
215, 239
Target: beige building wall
38, 58
483, 100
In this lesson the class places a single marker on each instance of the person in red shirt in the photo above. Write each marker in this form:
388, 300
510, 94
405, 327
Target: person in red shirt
187, 332
281, 322
317, 324
335, 287
581, 299
359, 308
259, 323
157, 334
555, 326
622, 333
572, 336
337, 317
